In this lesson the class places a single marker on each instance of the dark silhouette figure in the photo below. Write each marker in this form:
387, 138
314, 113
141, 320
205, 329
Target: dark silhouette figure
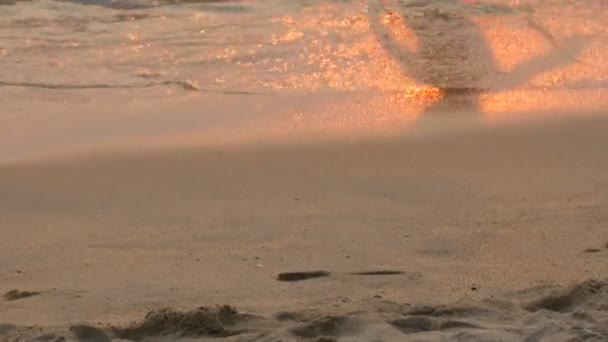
453, 54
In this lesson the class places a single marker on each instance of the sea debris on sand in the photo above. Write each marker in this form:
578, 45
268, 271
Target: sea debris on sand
592, 250
377, 273
298, 276
18, 294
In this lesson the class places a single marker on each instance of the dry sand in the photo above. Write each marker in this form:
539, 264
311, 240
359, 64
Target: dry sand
494, 233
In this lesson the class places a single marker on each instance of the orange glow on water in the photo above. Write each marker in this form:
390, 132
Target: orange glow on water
307, 70
506, 63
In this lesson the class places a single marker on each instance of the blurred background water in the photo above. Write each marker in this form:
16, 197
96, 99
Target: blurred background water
76, 74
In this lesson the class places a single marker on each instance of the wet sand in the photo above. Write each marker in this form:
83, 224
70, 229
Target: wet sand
488, 221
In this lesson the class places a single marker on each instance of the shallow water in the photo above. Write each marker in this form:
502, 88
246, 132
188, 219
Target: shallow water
78, 75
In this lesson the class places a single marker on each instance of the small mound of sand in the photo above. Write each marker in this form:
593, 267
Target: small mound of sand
89, 334
452, 311
412, 325
578, 313
202, 322
415, 324
591, 293
4, 328
329, 326
542, 313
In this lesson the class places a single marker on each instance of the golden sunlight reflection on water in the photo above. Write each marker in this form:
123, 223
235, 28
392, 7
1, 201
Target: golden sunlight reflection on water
326, 69
494, 65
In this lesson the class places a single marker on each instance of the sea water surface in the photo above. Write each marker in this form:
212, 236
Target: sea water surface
76, 76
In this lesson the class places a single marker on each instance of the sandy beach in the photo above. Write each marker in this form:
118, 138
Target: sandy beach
382, 170
486, 226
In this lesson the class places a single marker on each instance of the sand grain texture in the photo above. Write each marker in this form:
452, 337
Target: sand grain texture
493, 219
558, 314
